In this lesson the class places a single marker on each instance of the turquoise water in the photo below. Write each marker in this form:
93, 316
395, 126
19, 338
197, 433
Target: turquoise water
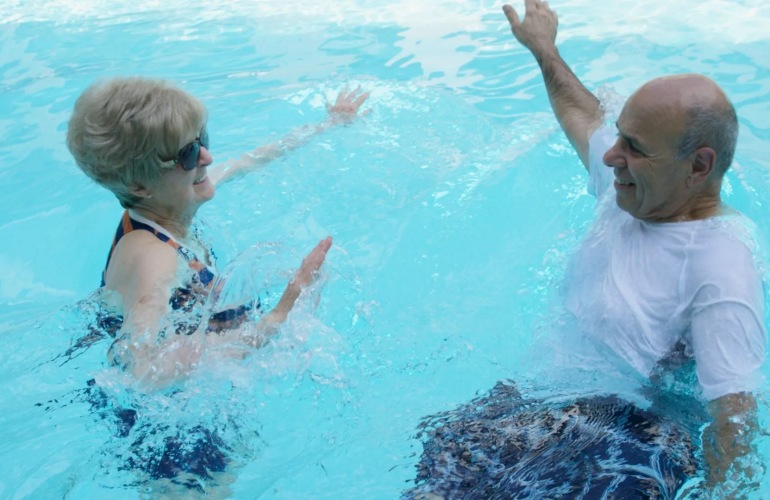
454, 205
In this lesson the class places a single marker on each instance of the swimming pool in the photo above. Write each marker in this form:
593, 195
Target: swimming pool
453, 205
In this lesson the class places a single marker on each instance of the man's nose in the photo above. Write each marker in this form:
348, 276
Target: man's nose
614, 156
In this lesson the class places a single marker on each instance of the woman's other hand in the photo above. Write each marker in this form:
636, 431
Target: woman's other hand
304, 276
311, 263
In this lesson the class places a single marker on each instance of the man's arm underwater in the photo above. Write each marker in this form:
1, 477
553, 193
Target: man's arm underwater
727, 439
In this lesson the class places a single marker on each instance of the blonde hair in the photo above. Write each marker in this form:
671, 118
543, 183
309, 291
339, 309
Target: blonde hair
125, 132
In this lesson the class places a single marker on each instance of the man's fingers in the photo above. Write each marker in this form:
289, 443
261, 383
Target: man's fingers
513, 17
531, 6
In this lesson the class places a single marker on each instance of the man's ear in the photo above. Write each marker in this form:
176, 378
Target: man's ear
703, 163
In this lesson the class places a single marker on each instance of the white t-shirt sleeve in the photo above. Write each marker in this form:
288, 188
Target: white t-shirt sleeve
600, 177
729, 345
728, 332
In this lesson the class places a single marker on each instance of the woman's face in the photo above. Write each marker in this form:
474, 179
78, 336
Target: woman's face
179, 191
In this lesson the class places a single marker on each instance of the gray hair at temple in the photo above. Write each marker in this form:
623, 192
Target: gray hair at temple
716, 128
126, 132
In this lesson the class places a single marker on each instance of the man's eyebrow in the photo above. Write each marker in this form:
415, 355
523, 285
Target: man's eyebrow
630, 138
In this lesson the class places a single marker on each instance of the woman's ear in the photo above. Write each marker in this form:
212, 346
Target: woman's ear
140, 191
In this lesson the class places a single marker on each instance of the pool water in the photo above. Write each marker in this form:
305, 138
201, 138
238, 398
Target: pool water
454, 206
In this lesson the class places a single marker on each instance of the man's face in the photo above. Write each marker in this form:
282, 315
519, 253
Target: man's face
650, 183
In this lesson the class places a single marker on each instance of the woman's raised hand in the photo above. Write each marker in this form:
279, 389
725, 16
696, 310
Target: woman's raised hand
346, 108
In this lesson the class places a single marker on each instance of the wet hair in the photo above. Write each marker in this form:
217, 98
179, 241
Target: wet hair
125, 132
714, 127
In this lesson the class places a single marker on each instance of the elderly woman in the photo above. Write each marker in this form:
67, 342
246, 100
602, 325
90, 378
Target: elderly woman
146, 141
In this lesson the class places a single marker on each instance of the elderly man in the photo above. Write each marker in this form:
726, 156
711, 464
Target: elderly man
665, 275
667, 268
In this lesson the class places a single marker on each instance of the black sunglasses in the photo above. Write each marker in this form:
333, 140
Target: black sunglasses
188, 155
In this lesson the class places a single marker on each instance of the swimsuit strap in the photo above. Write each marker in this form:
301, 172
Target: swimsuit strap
128, 224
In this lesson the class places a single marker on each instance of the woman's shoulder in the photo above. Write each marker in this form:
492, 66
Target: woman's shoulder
141, 260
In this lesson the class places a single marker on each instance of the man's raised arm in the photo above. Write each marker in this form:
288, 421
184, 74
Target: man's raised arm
577, 109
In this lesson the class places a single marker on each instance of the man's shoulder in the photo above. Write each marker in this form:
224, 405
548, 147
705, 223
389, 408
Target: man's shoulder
728, 245
734, 231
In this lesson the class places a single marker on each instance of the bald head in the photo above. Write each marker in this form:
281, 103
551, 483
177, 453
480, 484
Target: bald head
699, 110
687, 91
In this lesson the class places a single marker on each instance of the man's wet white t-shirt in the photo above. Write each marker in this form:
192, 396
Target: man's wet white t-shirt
645, 289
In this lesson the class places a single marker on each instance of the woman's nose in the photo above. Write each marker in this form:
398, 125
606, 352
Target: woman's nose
204, 157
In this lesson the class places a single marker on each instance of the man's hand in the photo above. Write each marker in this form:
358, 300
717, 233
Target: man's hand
577, 109
538, 30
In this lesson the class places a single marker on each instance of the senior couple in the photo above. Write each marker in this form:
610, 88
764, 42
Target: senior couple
665, 269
